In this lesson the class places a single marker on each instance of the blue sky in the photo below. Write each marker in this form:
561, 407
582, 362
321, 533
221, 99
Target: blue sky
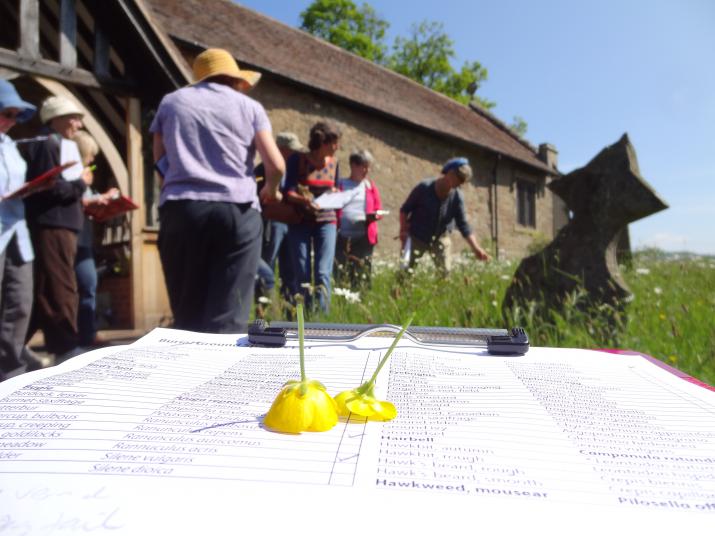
581, 73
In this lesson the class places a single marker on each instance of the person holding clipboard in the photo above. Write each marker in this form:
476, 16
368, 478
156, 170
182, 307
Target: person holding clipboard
55, 218
309, 175
16, 253
357, 223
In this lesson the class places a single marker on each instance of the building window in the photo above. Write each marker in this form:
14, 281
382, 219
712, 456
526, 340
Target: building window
526, 203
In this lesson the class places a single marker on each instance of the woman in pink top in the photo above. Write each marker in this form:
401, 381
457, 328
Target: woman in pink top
357, 224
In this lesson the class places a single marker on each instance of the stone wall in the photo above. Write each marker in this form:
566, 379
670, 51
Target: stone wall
404, 155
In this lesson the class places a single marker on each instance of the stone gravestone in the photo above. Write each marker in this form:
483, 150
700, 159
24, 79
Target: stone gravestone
603, 198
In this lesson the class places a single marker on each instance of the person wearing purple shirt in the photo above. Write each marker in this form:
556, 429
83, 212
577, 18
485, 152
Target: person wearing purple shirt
205, 139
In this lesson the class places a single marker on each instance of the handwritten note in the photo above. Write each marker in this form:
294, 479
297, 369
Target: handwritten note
151, 434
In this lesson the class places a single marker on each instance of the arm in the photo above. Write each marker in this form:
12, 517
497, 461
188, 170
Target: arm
273, 164
406, 211
460, 218
101, 199
158, 150
377, 202
478, 251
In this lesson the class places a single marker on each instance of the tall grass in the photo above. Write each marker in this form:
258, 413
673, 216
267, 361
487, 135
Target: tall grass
671, 315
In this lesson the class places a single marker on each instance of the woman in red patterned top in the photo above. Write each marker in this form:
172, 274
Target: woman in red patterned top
308, 176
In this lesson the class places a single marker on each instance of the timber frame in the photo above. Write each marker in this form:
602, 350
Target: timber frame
112, 60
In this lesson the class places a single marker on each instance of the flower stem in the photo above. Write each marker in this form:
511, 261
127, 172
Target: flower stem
367, 387
301, 336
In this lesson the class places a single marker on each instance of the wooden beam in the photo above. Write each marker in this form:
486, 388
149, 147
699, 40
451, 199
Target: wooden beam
30, 28
51, 69
68, 34
135, 161
101, 52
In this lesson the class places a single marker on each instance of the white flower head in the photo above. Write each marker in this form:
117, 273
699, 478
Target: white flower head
349, 295
658, 290
264, 300
642, 271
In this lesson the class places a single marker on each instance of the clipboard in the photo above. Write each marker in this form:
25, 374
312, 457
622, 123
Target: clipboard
115, 207
42, 182
496, 341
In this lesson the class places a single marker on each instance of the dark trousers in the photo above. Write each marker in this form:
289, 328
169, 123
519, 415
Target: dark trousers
209, 252
353, 262
275, 247
56, 299
15, 306
86, 273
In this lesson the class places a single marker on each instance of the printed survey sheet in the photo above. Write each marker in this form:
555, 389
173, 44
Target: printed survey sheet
557, 427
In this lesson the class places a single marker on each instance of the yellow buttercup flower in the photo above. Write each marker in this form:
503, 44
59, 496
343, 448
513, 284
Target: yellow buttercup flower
365, 404
302, 406
362, 401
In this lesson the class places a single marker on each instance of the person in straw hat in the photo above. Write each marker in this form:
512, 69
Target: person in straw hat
55, 218
205, 138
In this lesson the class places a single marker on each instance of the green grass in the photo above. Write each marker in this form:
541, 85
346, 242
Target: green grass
671, 315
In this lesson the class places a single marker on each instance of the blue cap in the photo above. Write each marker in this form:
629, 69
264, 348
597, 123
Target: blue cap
454, 163
10, 99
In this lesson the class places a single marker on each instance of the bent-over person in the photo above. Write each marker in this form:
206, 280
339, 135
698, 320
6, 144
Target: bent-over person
432, 210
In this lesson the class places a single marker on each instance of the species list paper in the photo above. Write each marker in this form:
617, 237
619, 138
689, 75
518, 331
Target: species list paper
177, 411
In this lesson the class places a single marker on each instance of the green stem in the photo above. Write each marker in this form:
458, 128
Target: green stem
367, 387
301, 336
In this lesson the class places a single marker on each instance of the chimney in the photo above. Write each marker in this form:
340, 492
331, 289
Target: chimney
548, 155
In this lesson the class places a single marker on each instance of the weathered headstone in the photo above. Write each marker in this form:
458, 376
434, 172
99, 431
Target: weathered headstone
603, 198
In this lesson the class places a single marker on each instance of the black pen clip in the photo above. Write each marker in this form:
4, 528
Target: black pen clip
515, 343
261, 335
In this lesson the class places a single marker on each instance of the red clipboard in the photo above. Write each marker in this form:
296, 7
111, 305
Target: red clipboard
115, 207
42, 182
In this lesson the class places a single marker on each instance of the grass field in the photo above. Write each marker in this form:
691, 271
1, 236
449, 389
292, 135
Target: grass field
671, 315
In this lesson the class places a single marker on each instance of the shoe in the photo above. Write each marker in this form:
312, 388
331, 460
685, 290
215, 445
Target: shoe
34, 361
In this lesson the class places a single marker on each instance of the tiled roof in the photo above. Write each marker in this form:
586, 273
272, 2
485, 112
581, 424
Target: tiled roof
271, 46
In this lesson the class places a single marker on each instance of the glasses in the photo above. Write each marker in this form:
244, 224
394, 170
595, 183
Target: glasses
8, 114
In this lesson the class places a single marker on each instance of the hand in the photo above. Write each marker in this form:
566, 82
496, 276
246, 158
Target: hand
112, 193
88, 176
371, 217
270, 195
482, 255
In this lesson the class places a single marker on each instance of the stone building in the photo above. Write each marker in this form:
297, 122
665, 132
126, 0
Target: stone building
411, 130
117, 58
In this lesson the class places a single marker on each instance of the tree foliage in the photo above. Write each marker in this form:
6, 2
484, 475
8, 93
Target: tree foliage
356, 29
519, 126
426, 55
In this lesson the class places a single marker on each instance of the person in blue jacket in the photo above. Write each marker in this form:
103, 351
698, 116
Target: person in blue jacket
16, 253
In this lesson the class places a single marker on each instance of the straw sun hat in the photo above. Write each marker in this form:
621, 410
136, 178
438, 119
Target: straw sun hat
217, 61
57, 106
